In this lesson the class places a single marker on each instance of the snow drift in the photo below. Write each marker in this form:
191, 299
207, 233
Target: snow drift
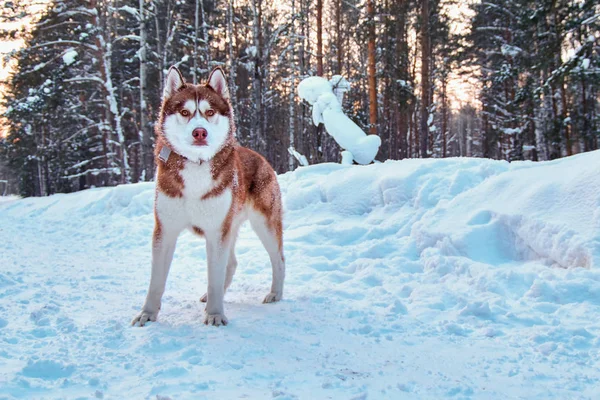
481, 274
484, 210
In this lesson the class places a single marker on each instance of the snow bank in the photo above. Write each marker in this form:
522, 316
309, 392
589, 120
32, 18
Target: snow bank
468, 207
548, 211
479, 273
8, 198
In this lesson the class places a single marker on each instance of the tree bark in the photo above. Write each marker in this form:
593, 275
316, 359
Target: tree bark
147, 154
195, 52
292, 94
339, 38
319, 37
424, 76
371, 68
231, 33
257, 83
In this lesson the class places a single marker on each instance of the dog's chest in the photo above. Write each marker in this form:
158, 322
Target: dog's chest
197, 180
192, 208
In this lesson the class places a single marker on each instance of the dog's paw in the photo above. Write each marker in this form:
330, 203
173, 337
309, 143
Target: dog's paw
204, 298
272, 297
144, 317
215, 319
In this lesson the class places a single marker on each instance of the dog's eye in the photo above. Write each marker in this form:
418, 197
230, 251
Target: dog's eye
210, 113
185, 113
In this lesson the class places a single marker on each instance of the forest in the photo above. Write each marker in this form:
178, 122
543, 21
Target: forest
80, 103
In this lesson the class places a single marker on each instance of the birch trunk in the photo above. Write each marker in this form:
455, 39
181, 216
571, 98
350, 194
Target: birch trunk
371, 68
145, 135
424, 77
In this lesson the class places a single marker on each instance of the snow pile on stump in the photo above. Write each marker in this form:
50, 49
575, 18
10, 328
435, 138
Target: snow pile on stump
327, 110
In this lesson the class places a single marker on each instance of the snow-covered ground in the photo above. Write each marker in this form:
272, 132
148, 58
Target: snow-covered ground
415, 279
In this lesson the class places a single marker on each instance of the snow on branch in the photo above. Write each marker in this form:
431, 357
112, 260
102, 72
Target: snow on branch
63, 42
69, 56
577, 59
130, 10
127, 37
86, 162
591, 19
95, 172
86, 79
300, 157
327, 109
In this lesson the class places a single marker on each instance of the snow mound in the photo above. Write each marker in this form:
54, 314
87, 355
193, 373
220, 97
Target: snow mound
546, 210
488, 211
479, 273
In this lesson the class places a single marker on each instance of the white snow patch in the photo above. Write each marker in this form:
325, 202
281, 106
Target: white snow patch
585, 63
301, 158
512, 131
452, 278
511, 51
69, 56
347, 158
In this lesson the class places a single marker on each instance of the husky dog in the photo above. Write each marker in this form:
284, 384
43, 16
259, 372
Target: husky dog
209, 184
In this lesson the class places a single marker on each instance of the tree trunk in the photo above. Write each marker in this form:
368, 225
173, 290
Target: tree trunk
195, 51
232, 59
104, 45
339, 38
444, 117
319, 37
371, 68
424, 76
205, 36
257, 83
147, 154
404, 91
292, 94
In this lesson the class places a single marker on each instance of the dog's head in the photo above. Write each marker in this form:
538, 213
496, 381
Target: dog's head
196, 120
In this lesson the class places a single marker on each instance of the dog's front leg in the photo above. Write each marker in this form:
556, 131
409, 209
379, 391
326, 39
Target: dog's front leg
217, 252
163, 247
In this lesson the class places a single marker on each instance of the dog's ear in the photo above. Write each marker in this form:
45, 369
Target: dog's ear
173, 83
218, 82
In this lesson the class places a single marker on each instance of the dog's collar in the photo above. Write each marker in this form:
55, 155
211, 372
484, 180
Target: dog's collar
165, 153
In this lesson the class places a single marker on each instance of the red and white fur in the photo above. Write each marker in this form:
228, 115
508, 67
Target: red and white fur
210, 185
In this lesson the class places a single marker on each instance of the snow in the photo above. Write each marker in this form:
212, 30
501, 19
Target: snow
130, 10
251, 51
8, 198
511, 51
340, 86
301, 158
69, 57
327, 110
347, 158
585, 63
413, 279
512, 131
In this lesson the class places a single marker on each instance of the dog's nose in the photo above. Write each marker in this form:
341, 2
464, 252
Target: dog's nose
200, 133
